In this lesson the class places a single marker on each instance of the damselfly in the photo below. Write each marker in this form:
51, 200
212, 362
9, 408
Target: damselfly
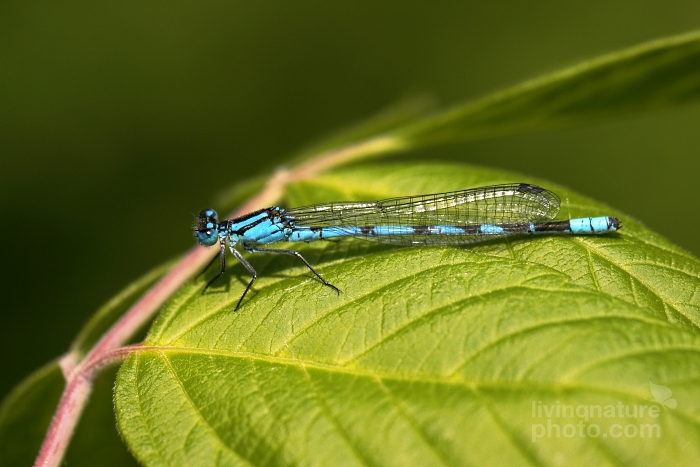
452, 218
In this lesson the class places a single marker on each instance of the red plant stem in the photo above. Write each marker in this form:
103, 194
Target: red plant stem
73, 401
80, 375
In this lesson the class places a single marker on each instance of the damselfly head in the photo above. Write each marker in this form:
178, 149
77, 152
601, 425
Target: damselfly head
206, 228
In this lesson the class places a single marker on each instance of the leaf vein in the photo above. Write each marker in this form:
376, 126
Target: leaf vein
196, 410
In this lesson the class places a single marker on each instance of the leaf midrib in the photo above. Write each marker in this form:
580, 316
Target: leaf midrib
549, 385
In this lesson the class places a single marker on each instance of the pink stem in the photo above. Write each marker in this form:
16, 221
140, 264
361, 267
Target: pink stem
71, 406
73, 401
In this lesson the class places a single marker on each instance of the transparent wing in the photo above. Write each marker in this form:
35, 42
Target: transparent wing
503, 205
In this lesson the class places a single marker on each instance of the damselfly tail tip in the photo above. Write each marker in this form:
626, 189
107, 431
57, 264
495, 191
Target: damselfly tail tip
614, 223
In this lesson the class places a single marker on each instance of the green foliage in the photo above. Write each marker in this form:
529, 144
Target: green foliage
430, 356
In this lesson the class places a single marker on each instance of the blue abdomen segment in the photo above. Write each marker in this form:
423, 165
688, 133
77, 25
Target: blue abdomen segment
594, 225
306, 234
490, 229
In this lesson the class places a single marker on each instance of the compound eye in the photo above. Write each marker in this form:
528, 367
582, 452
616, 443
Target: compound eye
206, 229
207, 238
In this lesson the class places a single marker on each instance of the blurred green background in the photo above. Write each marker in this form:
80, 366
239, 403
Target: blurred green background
120, 120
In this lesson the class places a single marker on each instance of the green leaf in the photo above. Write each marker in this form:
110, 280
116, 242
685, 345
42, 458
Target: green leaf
654, 75
430, 356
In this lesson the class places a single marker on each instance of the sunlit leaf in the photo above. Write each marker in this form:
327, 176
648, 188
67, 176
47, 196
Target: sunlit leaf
430, 356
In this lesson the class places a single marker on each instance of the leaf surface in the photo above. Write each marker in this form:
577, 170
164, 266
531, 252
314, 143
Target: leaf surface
430, 356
